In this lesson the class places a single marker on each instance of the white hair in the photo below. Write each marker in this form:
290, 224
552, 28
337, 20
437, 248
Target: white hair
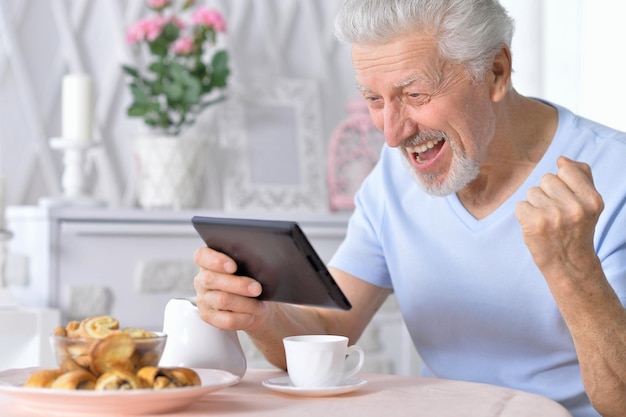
469, 32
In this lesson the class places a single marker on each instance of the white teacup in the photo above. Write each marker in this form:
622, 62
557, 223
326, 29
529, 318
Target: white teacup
316, 361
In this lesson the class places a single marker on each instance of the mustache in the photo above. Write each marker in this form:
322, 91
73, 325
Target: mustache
425, 136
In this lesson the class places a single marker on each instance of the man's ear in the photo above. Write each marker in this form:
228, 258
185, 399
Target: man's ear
500, 75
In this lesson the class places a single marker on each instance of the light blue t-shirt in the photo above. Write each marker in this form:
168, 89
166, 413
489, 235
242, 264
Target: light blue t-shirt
474, 302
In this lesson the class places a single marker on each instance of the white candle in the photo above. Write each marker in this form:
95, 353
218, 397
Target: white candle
77, 107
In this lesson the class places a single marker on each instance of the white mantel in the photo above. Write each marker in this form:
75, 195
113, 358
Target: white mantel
128, 263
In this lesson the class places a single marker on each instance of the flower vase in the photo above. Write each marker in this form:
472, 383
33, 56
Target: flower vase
169, 172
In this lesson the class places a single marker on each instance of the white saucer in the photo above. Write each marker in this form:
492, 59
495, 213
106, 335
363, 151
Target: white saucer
283, 384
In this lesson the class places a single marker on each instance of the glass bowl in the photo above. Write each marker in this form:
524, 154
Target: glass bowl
100, 355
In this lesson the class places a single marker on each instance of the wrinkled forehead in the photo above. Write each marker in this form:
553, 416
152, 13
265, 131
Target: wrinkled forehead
404, 57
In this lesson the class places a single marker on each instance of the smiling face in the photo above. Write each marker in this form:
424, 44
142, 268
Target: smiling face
441, 119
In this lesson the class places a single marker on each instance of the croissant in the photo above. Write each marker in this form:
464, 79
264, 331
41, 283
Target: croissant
186, 377
75, 380
161, 378
118, 380
155, 377
43, 378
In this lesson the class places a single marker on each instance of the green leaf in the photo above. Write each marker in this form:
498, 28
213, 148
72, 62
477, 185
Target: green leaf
220, 60
130, 71
194, 91
140, 92
156, 88
170, 32
219, 76
177, 71
137, 110
159, 47
173, 91
158, 68
199, 70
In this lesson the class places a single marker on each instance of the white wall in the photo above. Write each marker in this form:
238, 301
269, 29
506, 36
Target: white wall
572, 52
567, 51
41, 40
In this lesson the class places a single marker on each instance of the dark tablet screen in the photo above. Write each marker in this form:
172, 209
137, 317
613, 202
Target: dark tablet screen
278, 255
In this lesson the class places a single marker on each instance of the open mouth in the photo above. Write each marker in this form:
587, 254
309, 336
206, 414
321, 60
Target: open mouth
426, 151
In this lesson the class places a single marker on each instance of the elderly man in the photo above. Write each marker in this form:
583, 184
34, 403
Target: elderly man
496, 219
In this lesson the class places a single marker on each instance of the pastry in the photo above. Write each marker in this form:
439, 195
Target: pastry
138, 333
96, 354
43, 378
118, 380
60, 331
156, 378
159, 378
75, 380
112, 352
72, 328
98, 327
186, 377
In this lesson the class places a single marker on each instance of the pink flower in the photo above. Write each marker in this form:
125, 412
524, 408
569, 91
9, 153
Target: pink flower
176, 20
146, 29
209, 18
183, 46
159, 4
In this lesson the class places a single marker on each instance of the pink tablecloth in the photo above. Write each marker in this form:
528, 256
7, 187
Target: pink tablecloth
383, 395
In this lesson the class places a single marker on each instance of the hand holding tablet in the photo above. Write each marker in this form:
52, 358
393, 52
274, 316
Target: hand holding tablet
278, 255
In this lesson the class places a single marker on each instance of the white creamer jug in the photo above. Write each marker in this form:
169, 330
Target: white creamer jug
194, 343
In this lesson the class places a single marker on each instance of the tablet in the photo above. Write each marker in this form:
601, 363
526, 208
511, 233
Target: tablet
278, 255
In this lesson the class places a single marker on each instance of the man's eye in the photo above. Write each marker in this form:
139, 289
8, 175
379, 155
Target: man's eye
417, 98
374, 101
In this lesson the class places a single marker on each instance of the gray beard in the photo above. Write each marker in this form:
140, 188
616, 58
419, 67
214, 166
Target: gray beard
462, 171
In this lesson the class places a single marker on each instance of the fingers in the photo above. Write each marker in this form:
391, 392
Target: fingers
570, 188
211, 259
572, 171
226, 310
559, 215
216, 271
225, 300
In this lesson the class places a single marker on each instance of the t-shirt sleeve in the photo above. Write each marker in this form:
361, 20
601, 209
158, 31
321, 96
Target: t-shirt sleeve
361, 253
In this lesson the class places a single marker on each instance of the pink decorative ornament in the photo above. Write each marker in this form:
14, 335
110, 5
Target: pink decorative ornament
354, 150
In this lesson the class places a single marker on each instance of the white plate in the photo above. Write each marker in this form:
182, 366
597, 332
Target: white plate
49, 402
283, 384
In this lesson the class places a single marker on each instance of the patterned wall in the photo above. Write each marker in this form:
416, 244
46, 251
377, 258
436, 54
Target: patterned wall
42, 40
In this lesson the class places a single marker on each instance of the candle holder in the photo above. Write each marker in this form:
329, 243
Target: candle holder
6, 298
74, 175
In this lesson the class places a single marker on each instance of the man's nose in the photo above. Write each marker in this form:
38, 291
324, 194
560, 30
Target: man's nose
397, 126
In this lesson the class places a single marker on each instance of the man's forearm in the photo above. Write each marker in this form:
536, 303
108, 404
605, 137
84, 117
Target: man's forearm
597, 321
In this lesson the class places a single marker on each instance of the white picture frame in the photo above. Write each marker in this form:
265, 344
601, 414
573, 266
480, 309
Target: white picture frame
272, 133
